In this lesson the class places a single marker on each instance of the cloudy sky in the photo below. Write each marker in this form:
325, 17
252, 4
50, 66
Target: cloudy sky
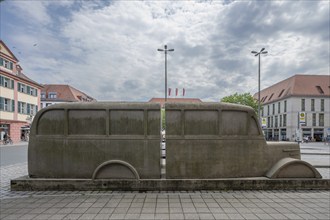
108, 49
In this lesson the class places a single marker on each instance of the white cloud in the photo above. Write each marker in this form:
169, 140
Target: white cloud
109, 49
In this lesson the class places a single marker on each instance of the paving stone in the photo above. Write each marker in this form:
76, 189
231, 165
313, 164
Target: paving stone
205, 216
102, 216
176, 216
191, 216
270, 204
132, 216
221, 216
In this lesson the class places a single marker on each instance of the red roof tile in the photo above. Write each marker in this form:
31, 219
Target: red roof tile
65, 93
297, 85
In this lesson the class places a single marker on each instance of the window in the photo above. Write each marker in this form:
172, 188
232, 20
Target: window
284, 120
27, 89
271, 96
321, 119
30, 90
281, 93
268, 122
280, 120
43, 95
272, 122
262, 112
276, 121
273, 109
312, 105
285, 106
322, 105
7, 64
319, 89
6, 82
22, 108
314, 119
279, 107
52, 95
23, 88
267, 109
302, 104
7, 104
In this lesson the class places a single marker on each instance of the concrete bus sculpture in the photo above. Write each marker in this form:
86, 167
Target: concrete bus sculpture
121, 141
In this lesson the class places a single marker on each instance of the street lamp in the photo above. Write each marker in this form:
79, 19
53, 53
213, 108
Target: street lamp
262, 51
165, 51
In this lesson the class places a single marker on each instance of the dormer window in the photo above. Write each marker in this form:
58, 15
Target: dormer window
320, 89
52, 95
271, 97
281, 93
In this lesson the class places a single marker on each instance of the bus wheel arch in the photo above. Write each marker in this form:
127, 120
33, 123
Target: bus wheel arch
292, 168
115, 169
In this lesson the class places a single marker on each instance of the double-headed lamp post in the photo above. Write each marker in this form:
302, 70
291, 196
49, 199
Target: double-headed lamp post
262, 51
165, 50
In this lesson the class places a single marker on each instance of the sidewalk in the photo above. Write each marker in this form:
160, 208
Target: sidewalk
14, 144
306, 204
171, 205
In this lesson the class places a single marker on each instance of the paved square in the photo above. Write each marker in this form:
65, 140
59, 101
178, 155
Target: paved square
306, 204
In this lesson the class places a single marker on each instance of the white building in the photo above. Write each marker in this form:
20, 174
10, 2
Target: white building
19, 97
283, 103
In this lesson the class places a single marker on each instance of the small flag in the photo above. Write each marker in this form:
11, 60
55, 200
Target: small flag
169, 91
176, 91
183, 91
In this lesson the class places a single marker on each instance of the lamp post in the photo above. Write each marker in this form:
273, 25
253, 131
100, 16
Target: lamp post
165, 50
262, 51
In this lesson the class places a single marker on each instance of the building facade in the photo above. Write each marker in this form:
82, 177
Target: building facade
297, 108
58, 93
19, 97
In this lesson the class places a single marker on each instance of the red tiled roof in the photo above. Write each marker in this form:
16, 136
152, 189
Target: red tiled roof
65, 93
297, 85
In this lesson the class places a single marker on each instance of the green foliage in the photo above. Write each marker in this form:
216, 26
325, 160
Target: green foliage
243, 99
163, 118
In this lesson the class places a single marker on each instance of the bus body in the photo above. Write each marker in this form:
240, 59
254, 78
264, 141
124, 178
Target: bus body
122, 141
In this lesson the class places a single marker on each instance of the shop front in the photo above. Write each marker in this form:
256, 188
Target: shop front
318, 134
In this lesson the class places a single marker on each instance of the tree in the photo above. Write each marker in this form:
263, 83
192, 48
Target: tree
243, 99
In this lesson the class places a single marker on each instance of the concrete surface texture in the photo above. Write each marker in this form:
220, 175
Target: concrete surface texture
221, 140
96, 140
122, 141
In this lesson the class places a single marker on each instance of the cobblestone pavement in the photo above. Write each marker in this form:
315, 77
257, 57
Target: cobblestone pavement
305, 204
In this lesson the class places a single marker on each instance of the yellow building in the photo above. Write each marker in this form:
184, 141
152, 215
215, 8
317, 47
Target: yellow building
19, 97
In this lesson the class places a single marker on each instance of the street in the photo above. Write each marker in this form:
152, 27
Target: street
13, 154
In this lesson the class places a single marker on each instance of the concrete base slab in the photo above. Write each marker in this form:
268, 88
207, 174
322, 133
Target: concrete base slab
258, 183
